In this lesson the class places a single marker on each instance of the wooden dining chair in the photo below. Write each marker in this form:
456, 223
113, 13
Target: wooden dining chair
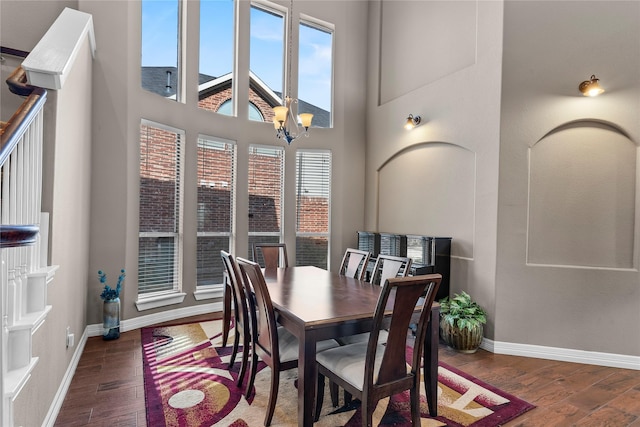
242, 319
386, 267
272, 255
276, 346
354, 263
371, 371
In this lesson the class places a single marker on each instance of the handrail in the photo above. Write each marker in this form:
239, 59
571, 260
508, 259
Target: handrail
18, 123
12, 236
11, 134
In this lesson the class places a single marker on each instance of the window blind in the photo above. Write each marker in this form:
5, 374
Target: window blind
159, 242
216, 206
266, 188
313, 197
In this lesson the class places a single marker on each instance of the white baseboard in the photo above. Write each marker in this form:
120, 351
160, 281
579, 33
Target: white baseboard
125, 325
58, 399
497, 347
562, 354
162, 316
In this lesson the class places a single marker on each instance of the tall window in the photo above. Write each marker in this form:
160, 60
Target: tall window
313, 196
160, 41
266, 186
215, 82
266, 57
216, 203
315, 72
160, 230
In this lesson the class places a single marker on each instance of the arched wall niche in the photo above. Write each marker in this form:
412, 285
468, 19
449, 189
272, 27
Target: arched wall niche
429, 189
582, 208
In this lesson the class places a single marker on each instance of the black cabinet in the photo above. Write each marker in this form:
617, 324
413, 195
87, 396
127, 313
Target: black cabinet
441, 264
428, 254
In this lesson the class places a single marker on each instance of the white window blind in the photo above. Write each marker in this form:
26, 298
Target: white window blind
313, 207
216, 206
266, 187
160, 226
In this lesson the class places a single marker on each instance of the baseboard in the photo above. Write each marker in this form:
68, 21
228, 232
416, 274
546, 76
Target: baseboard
163, 316
562, 354
497, 347
125, 325
58, 399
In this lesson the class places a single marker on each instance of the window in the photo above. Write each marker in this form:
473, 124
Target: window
315, 70
266, 186
216, 206
160, 66
313, 196
215, 84
160, 227
266, 58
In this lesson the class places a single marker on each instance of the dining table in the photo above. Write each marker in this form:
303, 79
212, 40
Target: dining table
315, 304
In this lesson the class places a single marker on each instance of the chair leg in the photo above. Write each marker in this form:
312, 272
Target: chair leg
347, 398
273, 396
415, 407
319, 397
333, 389
367, 409
226, 315
236, 343
246, 344
252, 371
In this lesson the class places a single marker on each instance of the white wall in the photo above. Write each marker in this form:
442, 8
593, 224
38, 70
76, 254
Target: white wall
441, 178
120, 103
66, 196
536, 184
568, 217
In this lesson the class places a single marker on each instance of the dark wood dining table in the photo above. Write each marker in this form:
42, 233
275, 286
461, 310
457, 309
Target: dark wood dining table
315, 305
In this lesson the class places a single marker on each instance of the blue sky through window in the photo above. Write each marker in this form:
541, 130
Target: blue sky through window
267, 45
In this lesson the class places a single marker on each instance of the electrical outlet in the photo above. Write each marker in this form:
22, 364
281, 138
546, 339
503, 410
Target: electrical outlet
70, 341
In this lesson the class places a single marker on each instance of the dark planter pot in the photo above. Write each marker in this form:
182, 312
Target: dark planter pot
462, 340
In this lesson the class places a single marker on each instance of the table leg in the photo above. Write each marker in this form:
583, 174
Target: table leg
226, 312
430, 361
307, 377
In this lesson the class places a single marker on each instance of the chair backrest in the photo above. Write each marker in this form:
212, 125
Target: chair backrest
239, 294
354, 263
272, 255
388, 266
266, 326
406, 291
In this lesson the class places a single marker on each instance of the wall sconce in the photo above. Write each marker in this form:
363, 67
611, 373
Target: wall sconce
591, 87
412, 122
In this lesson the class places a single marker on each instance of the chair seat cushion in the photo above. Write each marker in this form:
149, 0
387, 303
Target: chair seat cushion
289, 344
348, 362
363, 338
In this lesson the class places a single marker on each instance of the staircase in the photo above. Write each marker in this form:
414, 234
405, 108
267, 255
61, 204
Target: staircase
23, 241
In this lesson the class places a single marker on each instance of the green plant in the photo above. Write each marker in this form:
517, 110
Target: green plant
462, 312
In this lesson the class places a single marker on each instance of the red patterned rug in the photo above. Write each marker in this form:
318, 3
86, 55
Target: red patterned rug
187, 383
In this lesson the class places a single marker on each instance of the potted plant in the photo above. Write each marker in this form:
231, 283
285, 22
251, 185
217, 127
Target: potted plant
461, 322
111, 306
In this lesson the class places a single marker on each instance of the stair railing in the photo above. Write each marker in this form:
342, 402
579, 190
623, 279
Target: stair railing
21, 165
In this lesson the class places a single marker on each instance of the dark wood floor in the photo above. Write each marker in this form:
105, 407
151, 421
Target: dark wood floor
108, 390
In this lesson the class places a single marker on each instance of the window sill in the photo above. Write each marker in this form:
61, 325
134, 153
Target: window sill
209, 292
159, 301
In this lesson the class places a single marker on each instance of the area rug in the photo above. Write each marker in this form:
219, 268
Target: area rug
188, 383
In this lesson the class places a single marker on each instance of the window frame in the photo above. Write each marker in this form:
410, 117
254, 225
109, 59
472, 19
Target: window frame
149, 300
282, 154
299, 168
214, 290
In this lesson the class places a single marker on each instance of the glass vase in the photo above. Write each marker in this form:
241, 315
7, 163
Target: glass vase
111, 319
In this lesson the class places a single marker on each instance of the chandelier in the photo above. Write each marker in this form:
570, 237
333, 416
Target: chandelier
286, 123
